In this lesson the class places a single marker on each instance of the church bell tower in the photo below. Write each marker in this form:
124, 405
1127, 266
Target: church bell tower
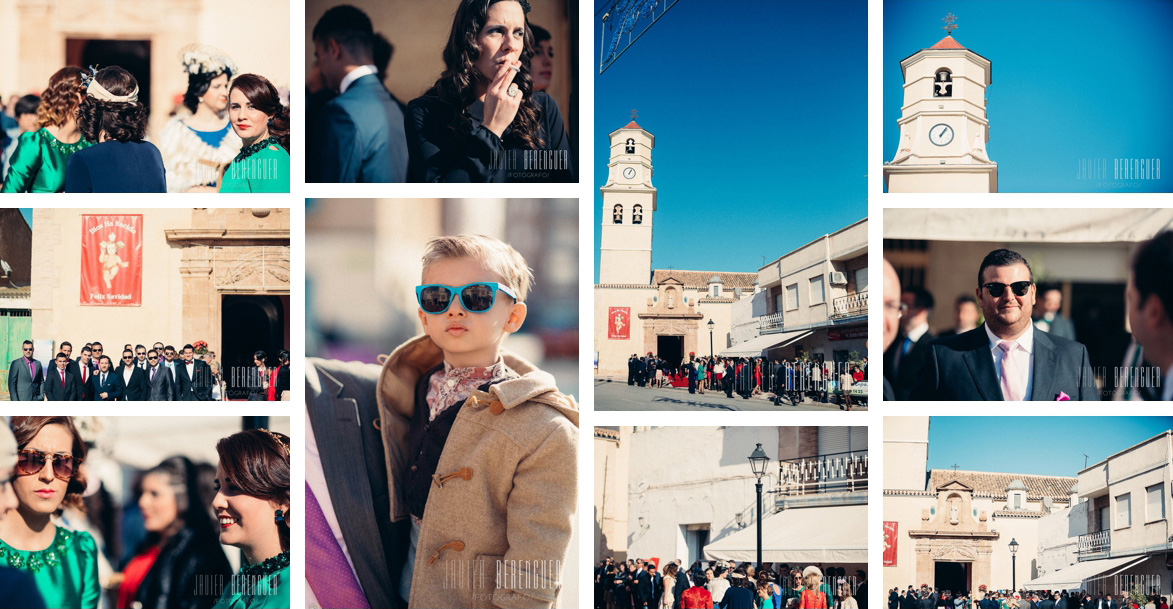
943, 127
629, 203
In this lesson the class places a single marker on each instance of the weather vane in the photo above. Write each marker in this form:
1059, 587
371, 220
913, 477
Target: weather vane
634, 114
950, 24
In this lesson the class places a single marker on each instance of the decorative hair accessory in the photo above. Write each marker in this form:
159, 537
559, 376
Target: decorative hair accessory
95, 90
283, 445
203, 59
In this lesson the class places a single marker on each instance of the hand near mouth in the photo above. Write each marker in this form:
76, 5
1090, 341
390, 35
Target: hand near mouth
500, 107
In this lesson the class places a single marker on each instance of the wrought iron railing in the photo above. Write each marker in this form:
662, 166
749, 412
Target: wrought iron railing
770, 324
832, 473
1096, 543
850, 305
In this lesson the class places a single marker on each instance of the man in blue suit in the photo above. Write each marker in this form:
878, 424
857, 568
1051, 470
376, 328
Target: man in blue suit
359, 135
107, 385
1006, 358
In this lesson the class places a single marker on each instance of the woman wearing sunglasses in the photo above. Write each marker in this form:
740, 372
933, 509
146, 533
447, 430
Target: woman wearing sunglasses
252, 504
63, 563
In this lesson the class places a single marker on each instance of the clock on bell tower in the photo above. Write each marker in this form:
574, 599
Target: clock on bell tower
943, 126
629, 202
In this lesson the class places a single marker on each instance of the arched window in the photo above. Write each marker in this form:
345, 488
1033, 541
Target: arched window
943, 83
630, 147
637, 214
617, 214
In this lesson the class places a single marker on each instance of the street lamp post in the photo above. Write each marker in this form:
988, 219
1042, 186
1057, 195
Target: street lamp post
757, 462
711, 324
1013, 563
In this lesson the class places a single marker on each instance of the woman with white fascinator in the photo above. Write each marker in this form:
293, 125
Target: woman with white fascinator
121, 161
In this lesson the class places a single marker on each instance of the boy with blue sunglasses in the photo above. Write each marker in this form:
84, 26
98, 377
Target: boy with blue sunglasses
480, 444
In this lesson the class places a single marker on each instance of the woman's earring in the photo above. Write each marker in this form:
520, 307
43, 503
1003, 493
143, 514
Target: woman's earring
279, 516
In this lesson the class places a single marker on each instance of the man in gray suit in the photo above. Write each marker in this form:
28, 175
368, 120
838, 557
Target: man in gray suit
158, 379
346, 474
25, 376
1005, 358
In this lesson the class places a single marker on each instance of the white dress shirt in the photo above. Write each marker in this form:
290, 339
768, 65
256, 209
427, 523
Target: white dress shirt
126, 372
1026, 363
315, 477
354, 75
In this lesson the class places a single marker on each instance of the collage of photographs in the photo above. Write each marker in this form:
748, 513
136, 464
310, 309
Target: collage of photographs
273, 205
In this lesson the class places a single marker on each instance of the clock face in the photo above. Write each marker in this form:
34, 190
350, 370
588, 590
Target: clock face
941, 134
629, 173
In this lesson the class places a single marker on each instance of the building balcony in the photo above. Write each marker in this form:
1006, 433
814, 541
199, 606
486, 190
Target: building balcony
1094, 545
850, 305
770, 324
834, 479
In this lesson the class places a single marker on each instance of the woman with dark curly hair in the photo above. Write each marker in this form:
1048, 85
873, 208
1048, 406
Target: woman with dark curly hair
38, 164
180, 551
262, 122
197, 147
252, 503
120, 161
63, 563
475, 123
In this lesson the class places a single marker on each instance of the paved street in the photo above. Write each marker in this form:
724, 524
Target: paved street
616, 394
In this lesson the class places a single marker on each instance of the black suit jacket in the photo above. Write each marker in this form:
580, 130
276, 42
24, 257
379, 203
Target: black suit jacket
198, 386
87, 389
962, 368
908, 601
643, 589
340, 402
138, 389
113, 388
55, 392
159, 389
905, 378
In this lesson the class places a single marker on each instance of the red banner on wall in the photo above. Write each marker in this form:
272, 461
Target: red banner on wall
112, 260
619, 323
890, 529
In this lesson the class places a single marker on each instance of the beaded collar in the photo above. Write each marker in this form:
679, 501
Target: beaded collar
35, 561
267, 566
255, 147
58, 145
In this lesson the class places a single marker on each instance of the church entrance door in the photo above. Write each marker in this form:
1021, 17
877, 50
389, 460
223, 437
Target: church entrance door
249, 324
952, 576
670, 349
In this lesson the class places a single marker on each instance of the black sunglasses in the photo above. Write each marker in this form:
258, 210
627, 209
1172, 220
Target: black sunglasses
152, 357
997, 289
127, 357
30, 462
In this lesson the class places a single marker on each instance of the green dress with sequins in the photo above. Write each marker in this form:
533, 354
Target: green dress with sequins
265, 585
261, 167
66, 572
38, 164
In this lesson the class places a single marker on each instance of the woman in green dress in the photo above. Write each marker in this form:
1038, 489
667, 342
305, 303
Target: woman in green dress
252, 504
262, 122
38, 163
63, 563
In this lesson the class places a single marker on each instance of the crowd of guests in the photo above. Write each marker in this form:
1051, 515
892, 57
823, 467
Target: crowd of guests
643, 584
87, 132
486, 118
66, 542
158, 374
792, 380
927, 597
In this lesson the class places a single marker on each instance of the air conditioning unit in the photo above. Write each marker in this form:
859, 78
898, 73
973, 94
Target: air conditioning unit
838, 278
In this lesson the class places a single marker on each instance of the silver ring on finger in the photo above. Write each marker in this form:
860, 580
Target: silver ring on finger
512, 91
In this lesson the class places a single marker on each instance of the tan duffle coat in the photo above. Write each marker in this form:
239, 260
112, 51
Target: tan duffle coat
498, 518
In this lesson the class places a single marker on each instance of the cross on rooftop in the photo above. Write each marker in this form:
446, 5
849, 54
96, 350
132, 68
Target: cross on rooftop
955, 466
950, 24
634, 114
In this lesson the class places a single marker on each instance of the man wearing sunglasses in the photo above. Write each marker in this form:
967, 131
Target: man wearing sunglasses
1006, 358
158, 379
133, 379
25, 376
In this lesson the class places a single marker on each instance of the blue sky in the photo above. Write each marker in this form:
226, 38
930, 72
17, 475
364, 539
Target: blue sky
775, 93
1045, 446
1072, 80
27, 212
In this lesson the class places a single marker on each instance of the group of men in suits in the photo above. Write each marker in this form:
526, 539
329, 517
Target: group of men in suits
157, 374
1006, 358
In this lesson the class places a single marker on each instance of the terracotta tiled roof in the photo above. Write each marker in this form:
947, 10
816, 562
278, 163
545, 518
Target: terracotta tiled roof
947, 43
631, 125
601, 432
989, 483
700, 279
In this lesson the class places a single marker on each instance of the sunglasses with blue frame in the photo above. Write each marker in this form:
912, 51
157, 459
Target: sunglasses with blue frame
475, 297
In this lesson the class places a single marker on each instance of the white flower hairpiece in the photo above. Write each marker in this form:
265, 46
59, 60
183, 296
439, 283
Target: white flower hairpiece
203, 59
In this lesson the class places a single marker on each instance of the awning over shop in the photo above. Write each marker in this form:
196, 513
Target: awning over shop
1072, 577
754, 346
1012, 225
834, 535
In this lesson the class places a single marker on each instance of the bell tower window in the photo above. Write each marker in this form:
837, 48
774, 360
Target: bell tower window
943, 83
637, 214
617, 214
629, 148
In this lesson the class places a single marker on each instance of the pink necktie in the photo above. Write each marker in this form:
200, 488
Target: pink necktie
1012, 390
328, 573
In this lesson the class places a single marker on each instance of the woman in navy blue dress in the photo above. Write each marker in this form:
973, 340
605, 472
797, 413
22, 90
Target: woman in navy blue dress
121, 161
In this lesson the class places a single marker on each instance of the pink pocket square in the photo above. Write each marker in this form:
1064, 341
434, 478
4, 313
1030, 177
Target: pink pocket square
1063, 397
